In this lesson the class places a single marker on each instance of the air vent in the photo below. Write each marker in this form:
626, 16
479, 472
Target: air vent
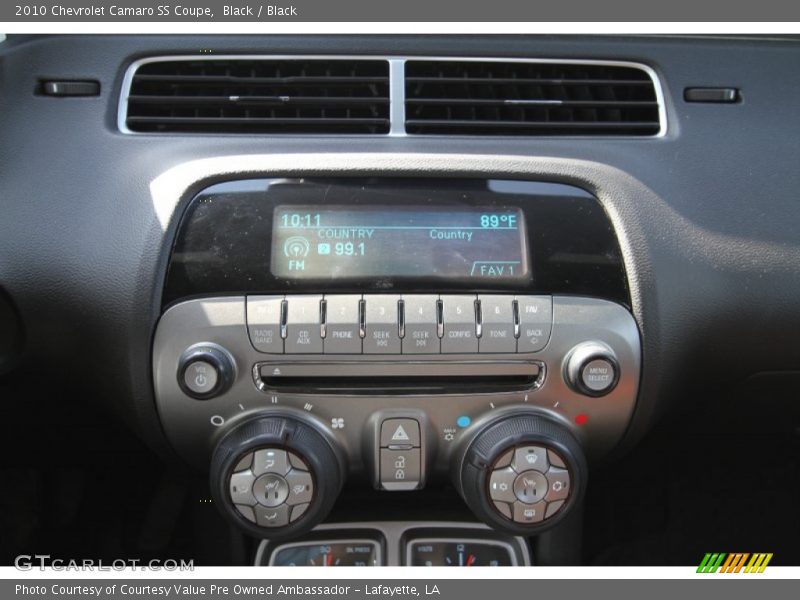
529, 98
260, 96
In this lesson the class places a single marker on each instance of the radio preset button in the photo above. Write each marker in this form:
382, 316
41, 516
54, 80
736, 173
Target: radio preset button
382, 336
535, 322
342, 324
303, 325
459, 325
420, 325
264, 323
497, 324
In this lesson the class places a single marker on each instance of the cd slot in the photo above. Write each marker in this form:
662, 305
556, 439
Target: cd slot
450, 377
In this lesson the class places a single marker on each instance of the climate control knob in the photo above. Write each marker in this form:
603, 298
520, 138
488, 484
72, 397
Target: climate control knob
276, 476
522, 473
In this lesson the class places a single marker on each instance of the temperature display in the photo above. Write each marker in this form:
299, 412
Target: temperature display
356, 242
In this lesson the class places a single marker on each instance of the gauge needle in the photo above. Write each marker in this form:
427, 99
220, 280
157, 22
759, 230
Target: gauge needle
328, 560
471, 560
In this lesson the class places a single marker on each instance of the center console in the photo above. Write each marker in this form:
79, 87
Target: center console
398, 333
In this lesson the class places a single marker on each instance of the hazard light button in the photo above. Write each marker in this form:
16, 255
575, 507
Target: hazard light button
400, 433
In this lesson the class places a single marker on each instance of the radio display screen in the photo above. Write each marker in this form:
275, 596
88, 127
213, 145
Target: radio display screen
435, 242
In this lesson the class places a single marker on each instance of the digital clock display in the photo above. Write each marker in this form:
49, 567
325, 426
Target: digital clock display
434, 242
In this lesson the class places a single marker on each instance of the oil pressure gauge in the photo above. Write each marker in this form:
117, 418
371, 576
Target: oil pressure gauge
349, 553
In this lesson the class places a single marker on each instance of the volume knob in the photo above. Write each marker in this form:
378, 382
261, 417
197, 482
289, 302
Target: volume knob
205, 371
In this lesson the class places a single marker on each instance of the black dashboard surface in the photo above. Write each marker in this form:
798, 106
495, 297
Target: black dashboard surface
708, 214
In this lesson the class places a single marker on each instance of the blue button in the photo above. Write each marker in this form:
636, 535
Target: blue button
463, 421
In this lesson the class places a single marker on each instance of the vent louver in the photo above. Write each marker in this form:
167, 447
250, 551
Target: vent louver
529, 98
260, 96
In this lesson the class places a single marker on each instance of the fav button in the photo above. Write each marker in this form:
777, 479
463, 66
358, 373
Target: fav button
535, 322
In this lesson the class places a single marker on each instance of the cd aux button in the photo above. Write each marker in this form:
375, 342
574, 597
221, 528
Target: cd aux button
381, 331
303, 320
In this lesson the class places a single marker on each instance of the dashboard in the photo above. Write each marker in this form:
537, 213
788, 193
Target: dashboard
470, 272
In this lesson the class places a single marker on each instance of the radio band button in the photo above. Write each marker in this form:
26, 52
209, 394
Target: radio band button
264, 323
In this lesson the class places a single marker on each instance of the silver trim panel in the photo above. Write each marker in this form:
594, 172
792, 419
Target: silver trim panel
397, 89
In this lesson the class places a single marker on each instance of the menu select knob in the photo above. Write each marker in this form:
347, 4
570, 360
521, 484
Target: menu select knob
205, 371
592, 369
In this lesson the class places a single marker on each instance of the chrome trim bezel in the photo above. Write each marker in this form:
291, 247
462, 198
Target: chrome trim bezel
397, 95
